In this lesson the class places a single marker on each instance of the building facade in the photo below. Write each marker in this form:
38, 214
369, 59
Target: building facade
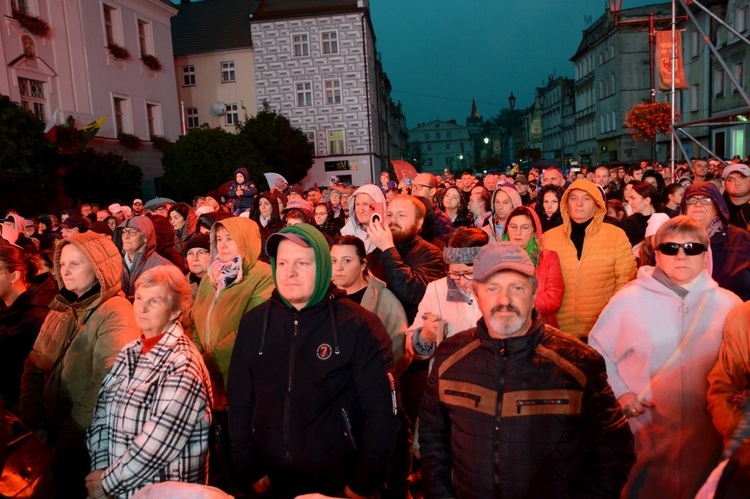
441, 145
317, 65
73, 70
215, 75
558, 110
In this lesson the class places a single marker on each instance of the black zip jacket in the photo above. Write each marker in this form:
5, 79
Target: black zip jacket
312, 406
530, 416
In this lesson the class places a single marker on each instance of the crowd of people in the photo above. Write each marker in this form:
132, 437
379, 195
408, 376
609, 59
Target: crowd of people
538, 334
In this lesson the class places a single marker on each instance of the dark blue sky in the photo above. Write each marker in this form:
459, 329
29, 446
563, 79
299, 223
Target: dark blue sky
439, 54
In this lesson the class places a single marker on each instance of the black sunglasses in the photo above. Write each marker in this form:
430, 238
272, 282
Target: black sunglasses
691, 249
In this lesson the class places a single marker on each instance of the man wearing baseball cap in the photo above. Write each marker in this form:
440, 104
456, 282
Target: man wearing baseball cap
514, 407
737, 194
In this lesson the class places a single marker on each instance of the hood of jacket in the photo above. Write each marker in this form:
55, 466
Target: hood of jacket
19, 223
525, 210
244, 173
9, 234
103, 256
374, 192
191, 220
143, 224
596, 194
163, 232
710, 190
275, 216
246, 235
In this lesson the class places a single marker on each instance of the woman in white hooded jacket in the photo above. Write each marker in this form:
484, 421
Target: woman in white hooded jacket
363, 203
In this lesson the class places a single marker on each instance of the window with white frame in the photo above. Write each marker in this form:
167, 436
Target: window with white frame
188, 75
227, 71
232, 117
330, 40
310, 137
301, 45
145, 42
437, 135
738, 70
427, 136
333, 91
112, 25
153, 119
123, 119
32, 97
694, 97
447, 146
740, 19
448, 135
304, 94
718, 82
336, 142
614, 121
191, 114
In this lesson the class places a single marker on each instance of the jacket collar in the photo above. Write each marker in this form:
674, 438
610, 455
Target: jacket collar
516, 346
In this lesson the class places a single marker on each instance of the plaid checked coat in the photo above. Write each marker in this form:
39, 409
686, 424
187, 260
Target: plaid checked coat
151, 422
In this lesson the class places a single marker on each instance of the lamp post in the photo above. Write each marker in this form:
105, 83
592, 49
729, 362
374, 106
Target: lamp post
509, 126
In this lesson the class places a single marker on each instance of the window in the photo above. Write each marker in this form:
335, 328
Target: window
227, 71
437, 135
122, 115
336, 142
110, 15
153, 118
429, 147
694, 96
233, 114
737, 71
20, 6
740, 20
694, 44
188, 76
330, 42
447, 146
192, 117
447, 135
310, 137
304, 94
32, 97
333, 91
427, 136
301, 45
144, 38
718, 82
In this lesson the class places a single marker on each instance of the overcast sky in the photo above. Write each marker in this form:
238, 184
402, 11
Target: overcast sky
439, 54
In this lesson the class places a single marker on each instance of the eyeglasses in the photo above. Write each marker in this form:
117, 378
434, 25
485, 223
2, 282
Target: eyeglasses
421, 186
197, 253
130, 232
695, 200
691, 249
321, 213
469, 276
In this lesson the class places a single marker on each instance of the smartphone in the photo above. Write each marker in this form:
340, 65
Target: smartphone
408, 181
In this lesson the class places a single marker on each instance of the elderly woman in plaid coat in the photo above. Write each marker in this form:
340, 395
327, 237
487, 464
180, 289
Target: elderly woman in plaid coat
151, 422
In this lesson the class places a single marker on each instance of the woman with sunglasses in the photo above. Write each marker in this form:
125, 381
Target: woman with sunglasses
659, 337
729, 264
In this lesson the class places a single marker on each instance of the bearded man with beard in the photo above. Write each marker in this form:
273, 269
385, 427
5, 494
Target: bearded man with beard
516, 408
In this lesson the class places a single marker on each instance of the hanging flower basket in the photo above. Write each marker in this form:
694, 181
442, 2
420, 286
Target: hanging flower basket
151, 62
34, 25
129, 140
647, 119
118, 52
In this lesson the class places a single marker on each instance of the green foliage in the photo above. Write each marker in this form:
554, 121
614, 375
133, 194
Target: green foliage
202, 160
100, 177
27, 161
206, 158
283, 149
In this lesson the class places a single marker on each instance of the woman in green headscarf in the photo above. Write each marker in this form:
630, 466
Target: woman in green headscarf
524, 228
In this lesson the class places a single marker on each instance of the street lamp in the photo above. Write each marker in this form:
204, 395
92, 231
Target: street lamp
512, 101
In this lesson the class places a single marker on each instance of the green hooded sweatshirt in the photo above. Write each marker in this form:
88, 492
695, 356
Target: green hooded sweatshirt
323, 266
216, 318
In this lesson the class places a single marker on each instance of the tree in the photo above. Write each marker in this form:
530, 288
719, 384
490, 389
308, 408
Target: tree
414, 155
92, 176
202, 161
283, 148
27, 161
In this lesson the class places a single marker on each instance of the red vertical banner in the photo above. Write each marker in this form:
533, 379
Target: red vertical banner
664, 60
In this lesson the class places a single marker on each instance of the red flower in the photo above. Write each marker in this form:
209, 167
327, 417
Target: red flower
647, 119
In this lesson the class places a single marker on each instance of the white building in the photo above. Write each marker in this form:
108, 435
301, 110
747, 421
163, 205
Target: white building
316, 64
70, 69
442, 144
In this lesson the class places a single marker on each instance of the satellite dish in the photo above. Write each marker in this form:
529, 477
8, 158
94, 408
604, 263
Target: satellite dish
218, 108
